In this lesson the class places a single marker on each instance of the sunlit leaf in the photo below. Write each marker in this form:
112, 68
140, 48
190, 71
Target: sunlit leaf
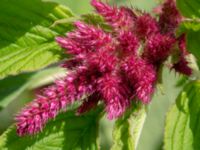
182, 131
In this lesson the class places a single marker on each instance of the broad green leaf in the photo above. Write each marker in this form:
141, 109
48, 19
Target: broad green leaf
182, 130
27, 40
191, 10
66, 132
127, 129
14, 86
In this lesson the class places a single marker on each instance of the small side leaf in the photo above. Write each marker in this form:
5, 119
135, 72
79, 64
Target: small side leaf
66, 132
127, 129
182, 130
191, 10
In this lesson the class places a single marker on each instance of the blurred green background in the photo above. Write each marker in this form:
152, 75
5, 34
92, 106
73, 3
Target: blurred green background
152, 134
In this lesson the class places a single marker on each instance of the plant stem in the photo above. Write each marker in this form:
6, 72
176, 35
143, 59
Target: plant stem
191, 20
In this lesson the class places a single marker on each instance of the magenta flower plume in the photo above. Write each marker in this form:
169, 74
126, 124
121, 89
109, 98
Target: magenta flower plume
51, 100
129, 42
114, 68
85, 39
35, 115
99, 61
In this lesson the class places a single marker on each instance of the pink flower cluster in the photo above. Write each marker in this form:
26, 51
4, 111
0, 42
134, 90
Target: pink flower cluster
115, 67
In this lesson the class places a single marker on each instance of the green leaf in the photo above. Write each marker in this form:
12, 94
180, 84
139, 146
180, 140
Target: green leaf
127, 129
14, 86
66, 132
26, 39
191, 10
192, 35
182, 130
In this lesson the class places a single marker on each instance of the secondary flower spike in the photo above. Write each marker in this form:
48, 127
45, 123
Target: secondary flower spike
170, 17
115, 67
120, 18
